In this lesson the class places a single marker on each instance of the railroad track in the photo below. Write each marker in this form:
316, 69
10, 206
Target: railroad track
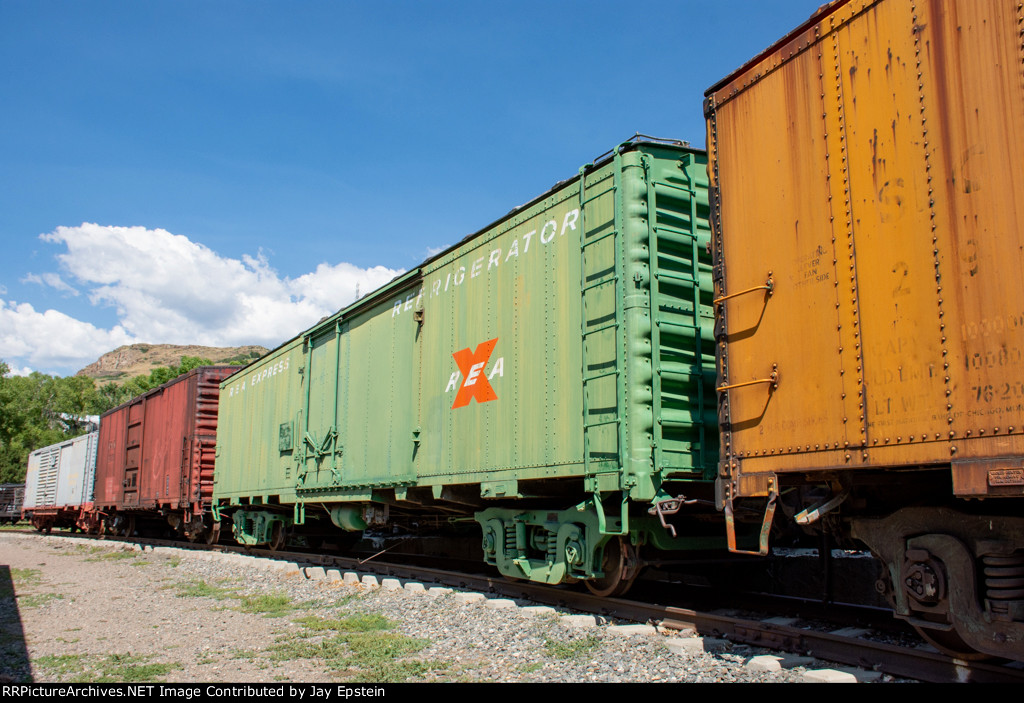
848, 646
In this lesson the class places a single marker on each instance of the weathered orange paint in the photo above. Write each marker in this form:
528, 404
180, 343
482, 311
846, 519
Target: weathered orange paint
871, 163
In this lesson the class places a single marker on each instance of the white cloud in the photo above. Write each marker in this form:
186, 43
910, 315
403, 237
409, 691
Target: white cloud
50, 279
327, 282
168, 289
52, 339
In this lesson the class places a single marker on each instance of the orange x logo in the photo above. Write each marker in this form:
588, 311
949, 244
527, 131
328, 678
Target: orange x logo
475, 384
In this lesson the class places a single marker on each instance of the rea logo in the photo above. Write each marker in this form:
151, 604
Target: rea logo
471, 368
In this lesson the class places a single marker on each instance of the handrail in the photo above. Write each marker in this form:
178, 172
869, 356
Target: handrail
773, 379
769, 286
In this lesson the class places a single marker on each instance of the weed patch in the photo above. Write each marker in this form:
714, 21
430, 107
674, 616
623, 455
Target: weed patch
113, 556
34, 600
361, 622
200, 589
114, 668
26, 578
398, 671
572, 648
245, 654
60, 664
128, 668
371, 648
271, 606
362, 648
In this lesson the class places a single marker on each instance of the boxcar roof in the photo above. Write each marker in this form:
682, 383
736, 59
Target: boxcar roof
374, 297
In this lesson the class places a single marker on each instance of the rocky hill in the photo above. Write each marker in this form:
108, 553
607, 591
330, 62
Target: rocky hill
134, 360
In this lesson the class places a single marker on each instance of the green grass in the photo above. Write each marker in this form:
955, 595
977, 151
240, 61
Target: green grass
572, 648
398, 671
119, 555
249, 655
361, 622
34, 600
114, 668
198, 588
25, 578
76, 548
374, 647
270, 606
362, 648
287, 649
128, 668
60, 665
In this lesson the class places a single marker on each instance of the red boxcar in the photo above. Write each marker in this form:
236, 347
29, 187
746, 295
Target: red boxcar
156, 456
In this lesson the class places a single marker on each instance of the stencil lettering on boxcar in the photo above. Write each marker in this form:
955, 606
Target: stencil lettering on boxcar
809, 268
486, 264
255, 378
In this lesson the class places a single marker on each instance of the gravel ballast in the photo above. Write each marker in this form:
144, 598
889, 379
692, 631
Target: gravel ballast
83, 610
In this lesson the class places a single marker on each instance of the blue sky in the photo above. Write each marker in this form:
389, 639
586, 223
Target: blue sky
224, 172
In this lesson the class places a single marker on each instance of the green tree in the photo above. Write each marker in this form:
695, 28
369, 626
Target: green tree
114, 395
38, 410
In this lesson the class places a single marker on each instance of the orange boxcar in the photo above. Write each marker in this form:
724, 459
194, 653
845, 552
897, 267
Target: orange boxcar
869, 263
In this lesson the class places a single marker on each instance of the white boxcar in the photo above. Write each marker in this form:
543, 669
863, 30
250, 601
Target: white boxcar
60, 481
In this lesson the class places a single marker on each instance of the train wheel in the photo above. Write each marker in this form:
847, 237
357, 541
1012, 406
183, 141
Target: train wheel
277, 537
620, 566
195, 530
949, 642
213, 534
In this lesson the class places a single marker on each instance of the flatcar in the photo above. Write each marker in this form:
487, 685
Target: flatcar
59, 483
550, 377
865, 178
156, 458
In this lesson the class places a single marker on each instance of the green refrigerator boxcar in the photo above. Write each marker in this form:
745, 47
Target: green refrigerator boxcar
551, 375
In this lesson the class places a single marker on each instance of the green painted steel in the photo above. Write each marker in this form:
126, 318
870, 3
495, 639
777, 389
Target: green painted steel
552, 547
568, 345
